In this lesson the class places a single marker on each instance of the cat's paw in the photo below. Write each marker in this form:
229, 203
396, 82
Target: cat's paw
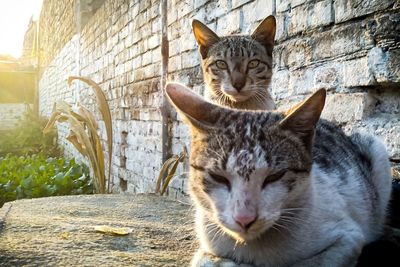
202, 259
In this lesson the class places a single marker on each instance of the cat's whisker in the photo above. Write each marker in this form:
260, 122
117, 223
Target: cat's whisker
293, 220
284, 227
275, 228
216, 235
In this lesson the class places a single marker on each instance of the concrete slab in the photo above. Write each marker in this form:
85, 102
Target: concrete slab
59, 231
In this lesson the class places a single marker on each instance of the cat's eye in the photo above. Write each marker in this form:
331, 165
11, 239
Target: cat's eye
220, 179
253, 63
221, 64
273, 177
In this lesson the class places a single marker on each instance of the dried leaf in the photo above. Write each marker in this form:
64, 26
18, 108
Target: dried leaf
113, 230
172, 172
64, 235
164, 170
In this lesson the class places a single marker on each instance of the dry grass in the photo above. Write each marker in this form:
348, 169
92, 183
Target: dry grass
83, 132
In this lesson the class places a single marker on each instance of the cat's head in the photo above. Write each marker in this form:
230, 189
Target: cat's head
237, 67
249, 170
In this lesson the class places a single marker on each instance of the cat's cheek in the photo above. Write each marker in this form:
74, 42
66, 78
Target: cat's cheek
220, 198
272, 199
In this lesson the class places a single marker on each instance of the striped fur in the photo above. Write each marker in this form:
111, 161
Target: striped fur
317, 195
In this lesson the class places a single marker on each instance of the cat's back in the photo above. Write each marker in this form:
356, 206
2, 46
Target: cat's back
356, 169
335, 151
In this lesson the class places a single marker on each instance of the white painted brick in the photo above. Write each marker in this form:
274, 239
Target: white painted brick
154, 41
190, 59
301, 81
256, 11
229, 23
327, 76
280, 81
238, 3
322, 14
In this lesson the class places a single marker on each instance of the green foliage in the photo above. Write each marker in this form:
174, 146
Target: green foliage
39, 176
28, 138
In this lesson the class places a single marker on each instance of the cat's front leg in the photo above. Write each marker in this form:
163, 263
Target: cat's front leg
344, 252
203, 259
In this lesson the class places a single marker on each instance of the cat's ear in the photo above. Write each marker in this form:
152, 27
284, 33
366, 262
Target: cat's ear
303, 119
265, 33
205, 37
196, 111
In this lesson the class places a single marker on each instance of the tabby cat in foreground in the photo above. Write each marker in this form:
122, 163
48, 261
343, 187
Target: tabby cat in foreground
237, 69
274, 189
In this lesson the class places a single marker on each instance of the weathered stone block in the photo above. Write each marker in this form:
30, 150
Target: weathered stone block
187, 42
199, 3
184, 8
385, 126
280, 81
349, 9
255, 12
297, 20
321, 15
294, 53
356, 73
190, 59
385, 29
153, 41
281, 26
238, 3
345, 108
172, 15
327, 77
174, 63
301, 81
216, 9
341, 41
229, 24
174, 47
384, 65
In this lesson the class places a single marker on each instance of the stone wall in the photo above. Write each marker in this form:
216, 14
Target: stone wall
10, 114
350, 47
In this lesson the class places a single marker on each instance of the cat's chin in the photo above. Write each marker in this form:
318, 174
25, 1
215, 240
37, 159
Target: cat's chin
237, 98
245, 236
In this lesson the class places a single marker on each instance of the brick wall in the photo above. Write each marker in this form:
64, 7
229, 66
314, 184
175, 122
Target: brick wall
349, 47
10, 114
56, 28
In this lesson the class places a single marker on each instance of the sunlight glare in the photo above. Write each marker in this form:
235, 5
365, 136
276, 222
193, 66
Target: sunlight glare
14, 21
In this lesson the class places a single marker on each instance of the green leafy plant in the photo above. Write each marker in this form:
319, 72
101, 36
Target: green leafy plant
168, 171
27, 137
40, 176
83, 132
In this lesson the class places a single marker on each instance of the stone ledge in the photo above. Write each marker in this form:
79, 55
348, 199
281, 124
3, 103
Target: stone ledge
59, 231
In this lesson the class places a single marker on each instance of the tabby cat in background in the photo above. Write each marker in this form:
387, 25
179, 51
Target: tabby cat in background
237, 69
281, 189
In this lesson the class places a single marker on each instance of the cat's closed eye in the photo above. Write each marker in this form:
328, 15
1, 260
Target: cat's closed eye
273, 177
220, 179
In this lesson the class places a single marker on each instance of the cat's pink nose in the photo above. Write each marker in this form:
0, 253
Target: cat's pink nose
244, 220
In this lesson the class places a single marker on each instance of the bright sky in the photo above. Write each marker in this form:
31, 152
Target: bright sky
14, 20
